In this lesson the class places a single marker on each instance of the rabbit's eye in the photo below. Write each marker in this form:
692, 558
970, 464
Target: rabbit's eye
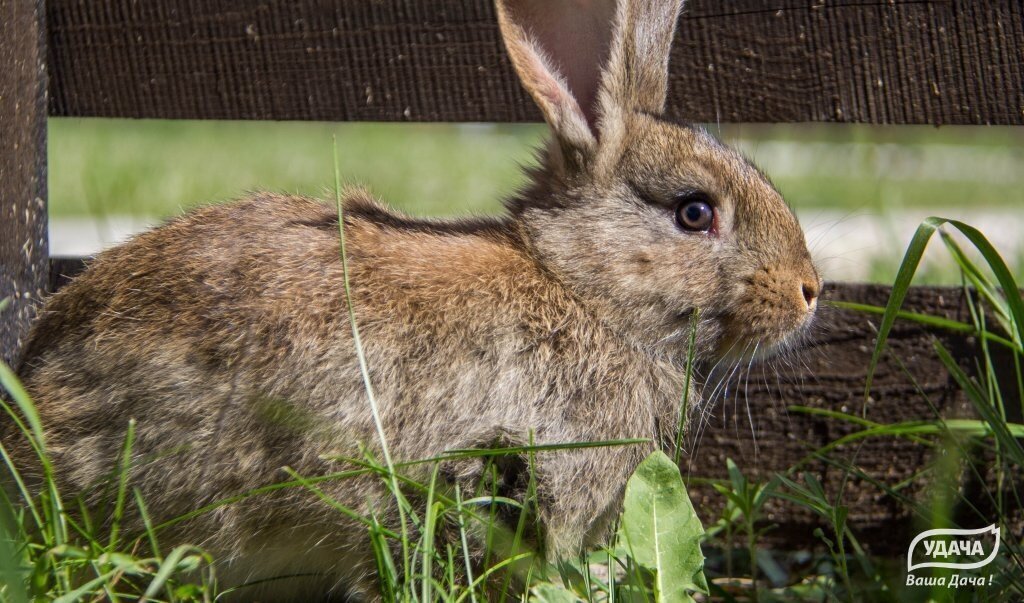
694, 213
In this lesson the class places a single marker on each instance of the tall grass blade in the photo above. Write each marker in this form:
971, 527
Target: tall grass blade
26, 496
430, 524
684, 410
947, 324
54, 528
1003, 431
147, 522
122, 483
364, 369
337, 506
87, 590
908, 267
464, 540
169, 567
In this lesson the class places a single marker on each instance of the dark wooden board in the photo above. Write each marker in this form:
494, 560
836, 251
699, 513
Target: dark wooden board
23, 242
877, 61
829, 373
911, 384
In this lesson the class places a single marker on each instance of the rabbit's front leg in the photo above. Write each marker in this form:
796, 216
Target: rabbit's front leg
579, 495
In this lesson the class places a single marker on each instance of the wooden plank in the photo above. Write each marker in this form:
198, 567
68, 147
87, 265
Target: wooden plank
829, 374
876, 61
62, 270
23, 240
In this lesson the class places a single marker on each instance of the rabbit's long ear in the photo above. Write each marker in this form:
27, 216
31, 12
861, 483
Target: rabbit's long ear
636, 74
558, 48
587, 63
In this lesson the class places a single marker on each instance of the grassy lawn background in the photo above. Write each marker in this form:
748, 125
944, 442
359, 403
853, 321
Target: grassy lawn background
160, 168
861, 190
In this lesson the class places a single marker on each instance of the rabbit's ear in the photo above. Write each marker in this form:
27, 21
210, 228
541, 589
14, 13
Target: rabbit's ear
558, 48
635, 77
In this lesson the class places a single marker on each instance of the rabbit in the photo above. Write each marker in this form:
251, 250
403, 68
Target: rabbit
225, 333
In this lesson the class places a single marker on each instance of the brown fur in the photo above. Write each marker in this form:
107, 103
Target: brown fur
225, 333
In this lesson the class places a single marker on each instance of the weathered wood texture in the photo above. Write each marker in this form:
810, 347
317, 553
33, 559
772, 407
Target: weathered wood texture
829, 373
878, 61
911, 384
23, 241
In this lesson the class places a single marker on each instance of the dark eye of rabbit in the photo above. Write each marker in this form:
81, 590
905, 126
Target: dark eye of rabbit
694, 213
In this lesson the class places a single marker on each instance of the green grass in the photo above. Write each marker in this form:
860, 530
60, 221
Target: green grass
160, 168
883, 168
48, 553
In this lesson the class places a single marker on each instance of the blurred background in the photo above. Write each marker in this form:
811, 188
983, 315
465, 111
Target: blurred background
859, 191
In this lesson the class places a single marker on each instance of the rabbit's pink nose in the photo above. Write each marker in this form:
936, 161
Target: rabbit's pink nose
810, 291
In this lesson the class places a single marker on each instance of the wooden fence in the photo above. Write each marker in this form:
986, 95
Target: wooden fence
875, 61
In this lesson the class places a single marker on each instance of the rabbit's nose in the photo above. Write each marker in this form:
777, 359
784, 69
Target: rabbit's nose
810, 290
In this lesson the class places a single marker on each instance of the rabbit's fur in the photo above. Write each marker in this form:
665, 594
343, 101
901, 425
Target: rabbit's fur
225, 333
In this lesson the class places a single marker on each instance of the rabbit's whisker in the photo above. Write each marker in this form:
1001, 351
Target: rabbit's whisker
746, 397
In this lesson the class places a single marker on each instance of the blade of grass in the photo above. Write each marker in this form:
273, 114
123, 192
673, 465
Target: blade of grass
430, 523
523, 515
1007, 433
387, 574
908, 267
268, 489
86, 590
147, 522
967, 426
529, 449
981, 282
491, 570
347, 512
685, 406
168, 568
363, 368
54, 527
465, 542
12, 577
933, 321
122, 485
27, 498
34, 433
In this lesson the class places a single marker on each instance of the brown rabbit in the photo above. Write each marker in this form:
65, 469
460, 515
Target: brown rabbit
225, 333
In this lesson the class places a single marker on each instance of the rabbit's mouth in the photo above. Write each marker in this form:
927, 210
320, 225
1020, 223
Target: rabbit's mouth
745, 341
771, 313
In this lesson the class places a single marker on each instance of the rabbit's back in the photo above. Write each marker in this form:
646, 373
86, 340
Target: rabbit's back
246, 302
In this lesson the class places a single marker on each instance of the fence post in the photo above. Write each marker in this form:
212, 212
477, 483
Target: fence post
24, 247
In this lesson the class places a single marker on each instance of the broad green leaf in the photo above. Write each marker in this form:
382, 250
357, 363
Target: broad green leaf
12, 580
661, 530
551, 593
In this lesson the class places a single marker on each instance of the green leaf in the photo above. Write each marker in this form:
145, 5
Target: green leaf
87, 590
11, 562
178, 561
661, 530
552, 593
